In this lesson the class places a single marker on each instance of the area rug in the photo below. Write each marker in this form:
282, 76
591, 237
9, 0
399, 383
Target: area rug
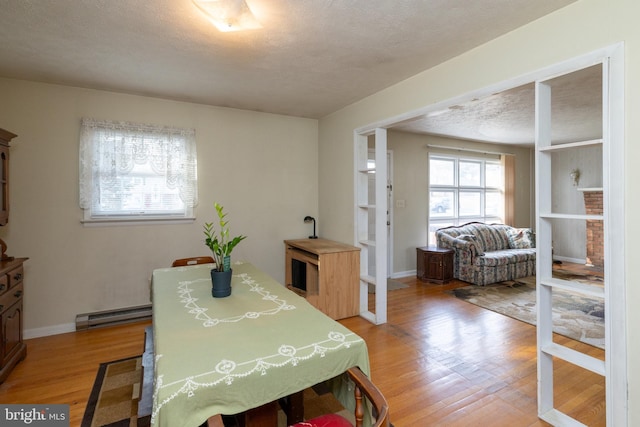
113, 401
392, 285
574, 315
114, 398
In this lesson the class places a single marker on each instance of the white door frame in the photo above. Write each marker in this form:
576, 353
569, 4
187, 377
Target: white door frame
363, 211
390, 213
616, 343
390, 207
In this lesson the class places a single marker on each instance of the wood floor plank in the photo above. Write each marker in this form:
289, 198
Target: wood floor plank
62, 368
439, 361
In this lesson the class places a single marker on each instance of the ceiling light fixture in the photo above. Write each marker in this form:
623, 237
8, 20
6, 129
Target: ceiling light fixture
229, 15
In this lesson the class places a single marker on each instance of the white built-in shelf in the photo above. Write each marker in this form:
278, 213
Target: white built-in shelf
367, 315
368, 279
570, 145
557, 418
590, 189
596, 291
572, 216
367, 170
577, 358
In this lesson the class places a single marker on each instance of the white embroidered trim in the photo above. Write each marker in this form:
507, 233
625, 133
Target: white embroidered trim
228, 370
200, 313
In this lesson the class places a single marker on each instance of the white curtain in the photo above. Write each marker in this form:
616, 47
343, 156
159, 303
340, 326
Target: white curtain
111, 148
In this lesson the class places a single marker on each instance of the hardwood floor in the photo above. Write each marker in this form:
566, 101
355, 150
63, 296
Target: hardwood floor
439, 361
444, 362
62, 368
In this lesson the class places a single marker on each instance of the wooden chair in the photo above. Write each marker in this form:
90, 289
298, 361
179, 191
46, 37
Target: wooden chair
192, 261
363, 388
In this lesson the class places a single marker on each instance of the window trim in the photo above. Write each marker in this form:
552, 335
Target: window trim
103, 222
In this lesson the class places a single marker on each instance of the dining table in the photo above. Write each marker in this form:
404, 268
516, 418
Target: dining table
230, 355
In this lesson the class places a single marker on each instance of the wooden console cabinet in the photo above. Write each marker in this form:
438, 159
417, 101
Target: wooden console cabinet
326, 273
435, 264
12, 348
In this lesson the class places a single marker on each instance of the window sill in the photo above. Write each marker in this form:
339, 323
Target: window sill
111, 222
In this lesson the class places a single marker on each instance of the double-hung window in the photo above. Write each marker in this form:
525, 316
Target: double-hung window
463, 190
131, 172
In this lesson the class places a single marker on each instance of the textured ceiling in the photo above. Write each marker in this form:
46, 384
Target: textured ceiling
310, 59
509, 116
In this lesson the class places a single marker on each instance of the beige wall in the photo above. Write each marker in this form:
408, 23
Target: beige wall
582, 27
410, 184
281, 169
261, 167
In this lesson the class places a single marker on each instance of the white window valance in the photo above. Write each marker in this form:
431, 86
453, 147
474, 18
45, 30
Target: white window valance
116, 156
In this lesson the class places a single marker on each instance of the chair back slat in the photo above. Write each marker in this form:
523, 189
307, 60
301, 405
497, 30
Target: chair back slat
192, 261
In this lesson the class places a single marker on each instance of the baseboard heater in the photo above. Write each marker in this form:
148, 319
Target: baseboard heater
118, 316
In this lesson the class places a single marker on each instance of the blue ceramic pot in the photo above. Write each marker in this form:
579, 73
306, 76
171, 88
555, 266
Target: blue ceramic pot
221, 283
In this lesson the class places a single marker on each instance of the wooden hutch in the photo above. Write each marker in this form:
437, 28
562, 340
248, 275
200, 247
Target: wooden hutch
12, 347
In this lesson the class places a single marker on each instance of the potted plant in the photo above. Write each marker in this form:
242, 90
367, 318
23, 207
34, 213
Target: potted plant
221, 246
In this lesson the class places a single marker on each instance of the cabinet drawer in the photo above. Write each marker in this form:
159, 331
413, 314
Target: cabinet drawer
15, 276
4, 283
9, 298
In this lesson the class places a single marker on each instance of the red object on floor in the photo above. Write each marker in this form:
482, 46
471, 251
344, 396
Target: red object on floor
329, 420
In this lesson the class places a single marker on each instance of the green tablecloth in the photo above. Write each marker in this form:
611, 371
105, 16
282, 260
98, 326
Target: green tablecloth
228, 355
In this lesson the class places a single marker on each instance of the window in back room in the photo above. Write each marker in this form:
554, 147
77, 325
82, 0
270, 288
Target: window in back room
463, 190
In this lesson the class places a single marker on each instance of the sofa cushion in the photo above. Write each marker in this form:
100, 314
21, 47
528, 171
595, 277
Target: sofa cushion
491, 237
520, 238
532, 236
493, 259
507, 256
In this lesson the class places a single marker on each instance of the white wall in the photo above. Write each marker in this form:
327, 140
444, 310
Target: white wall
261, 167
577, 29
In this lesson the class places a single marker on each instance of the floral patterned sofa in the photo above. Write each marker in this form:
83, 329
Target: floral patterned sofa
489, 253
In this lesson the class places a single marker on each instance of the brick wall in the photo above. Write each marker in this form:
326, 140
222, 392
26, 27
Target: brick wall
595, 229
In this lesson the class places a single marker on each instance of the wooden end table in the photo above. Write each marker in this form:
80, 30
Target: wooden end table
435, 264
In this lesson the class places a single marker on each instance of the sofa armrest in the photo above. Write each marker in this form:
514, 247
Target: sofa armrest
447, 241
464, 253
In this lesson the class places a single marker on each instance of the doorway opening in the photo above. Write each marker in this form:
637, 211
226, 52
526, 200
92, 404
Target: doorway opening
611, 123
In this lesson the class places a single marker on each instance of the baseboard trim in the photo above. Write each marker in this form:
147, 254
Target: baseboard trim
48, 330
401, 274
568, 259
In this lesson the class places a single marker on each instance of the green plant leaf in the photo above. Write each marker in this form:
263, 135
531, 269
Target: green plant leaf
218, 241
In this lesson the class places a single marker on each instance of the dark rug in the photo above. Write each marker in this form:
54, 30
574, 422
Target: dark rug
574, 315
392, 285
113, 401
